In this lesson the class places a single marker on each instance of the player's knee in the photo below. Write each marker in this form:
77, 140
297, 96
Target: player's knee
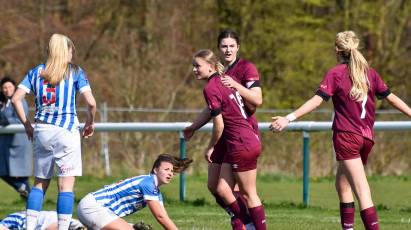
221, 190
342, 188
249, 195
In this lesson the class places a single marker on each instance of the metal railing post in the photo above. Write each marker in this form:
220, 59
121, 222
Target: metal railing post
104, 140
182, 174
306, 168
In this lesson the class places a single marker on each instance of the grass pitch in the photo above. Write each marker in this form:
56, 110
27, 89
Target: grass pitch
282, 197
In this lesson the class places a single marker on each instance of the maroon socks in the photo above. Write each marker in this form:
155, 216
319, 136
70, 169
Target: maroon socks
258, 217
347, 212
370, 219
235, 211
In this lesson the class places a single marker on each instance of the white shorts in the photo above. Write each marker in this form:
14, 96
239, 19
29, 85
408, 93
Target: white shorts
56, 145
93, 215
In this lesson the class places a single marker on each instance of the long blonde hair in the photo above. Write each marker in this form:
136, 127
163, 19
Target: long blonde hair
208, 56
347, 44
57, 65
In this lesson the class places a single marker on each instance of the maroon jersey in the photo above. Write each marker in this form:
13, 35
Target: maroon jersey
247, 75
351, 115
238, 132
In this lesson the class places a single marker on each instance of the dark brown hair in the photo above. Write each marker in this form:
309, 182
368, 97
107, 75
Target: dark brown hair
228, 34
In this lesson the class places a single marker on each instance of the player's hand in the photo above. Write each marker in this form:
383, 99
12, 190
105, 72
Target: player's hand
278, 124
207, 154
188, 132
229, 82
142, 226
88, 129
29, 129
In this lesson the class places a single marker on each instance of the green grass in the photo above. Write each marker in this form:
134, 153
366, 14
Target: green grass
282, 197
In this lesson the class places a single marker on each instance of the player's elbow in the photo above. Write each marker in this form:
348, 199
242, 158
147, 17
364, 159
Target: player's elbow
161, 218
91, 103
258, 102
14, 100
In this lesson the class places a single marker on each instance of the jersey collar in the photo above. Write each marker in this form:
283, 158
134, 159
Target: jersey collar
232, 65
213, 75
155, 179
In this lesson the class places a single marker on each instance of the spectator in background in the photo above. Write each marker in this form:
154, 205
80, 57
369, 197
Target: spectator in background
16, 158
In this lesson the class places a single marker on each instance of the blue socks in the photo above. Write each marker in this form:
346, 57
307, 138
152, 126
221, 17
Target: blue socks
65, 201
34, 204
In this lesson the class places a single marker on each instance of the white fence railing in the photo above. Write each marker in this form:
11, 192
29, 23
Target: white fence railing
302, 126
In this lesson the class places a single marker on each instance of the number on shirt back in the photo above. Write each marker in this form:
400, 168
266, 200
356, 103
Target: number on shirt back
49, 94
239, 101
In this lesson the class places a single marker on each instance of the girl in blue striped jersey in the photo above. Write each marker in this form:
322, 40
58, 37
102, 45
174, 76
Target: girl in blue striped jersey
56, 132
104, 208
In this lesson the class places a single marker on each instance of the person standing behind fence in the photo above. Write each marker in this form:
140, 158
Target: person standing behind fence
56, 132
243, 144
16, 156
353, 86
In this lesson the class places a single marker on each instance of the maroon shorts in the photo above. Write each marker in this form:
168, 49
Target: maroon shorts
219, 151
243, 160
350, 146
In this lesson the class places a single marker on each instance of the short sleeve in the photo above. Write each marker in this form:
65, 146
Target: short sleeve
27, 83
251, 73
251, 76
82, 81
327, 86
149, 190
381, 89
213, 99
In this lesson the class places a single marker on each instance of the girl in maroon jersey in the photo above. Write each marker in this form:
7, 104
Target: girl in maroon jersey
242, 143
244, 77
353, 86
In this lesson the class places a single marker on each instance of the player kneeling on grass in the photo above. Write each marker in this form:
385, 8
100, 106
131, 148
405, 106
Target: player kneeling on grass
105, 208
47, 220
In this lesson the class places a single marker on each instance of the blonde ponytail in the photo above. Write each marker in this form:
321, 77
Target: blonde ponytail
347, 43
220, 68
57, 65
212, 59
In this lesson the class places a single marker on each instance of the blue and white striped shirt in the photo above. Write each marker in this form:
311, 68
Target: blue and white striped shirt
56, 105
129, 195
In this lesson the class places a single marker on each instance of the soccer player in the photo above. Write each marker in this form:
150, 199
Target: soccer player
243, 76
104, 208
230, 121
56, 132
47, 220
353, 85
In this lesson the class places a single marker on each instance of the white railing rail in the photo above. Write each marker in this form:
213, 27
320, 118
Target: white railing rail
308, 126
301, 126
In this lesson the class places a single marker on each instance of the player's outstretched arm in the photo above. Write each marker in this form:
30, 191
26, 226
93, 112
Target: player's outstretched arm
19, 108
279, 123
88, 129
201, 119
399, 104
160, 213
